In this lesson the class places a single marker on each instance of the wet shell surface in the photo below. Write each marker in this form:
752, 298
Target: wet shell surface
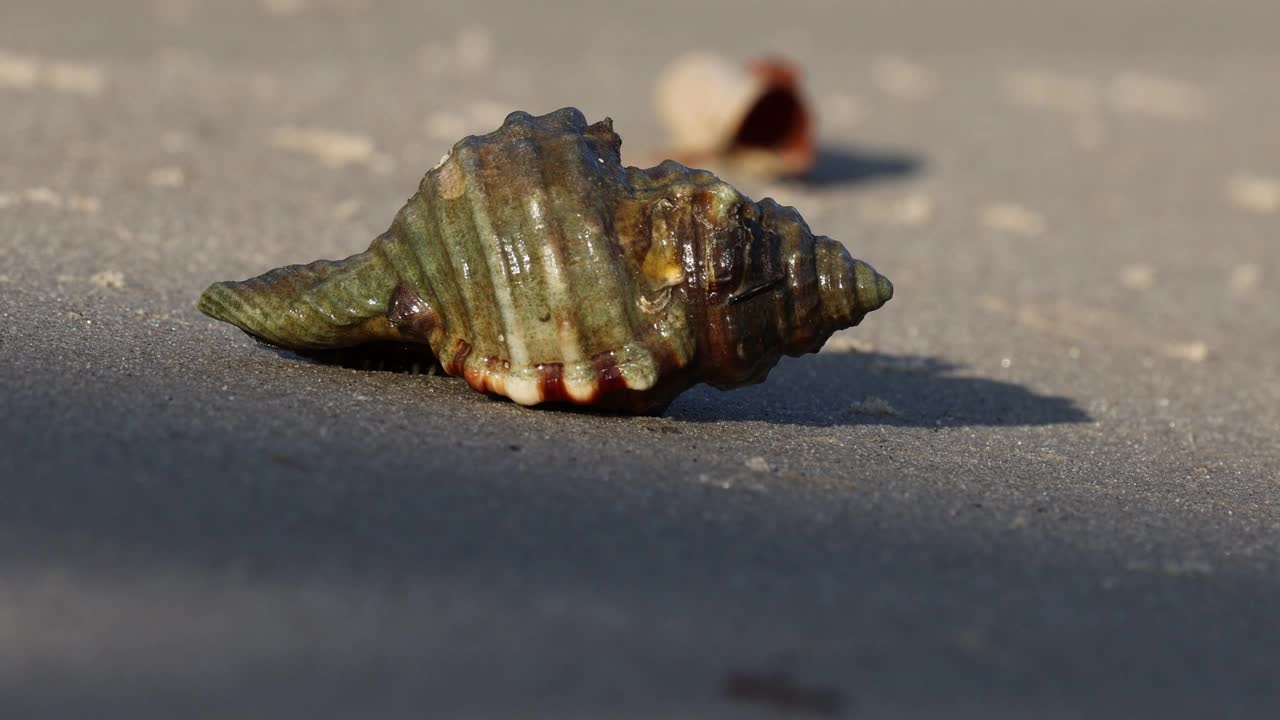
534, 265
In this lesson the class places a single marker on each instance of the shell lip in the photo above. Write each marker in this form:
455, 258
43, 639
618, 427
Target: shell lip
779, 121
753, 117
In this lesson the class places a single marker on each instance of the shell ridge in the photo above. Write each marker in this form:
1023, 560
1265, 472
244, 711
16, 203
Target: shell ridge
565, 319
523, 250
576, 376
354, 294
638, 366
635, 364
479, 200
398, 245
438, 264
398, 254
421, 247
468, 263
601, 286
523, 246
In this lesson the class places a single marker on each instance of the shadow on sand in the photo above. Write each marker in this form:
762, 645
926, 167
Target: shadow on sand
840, 388
838, 165
826, 389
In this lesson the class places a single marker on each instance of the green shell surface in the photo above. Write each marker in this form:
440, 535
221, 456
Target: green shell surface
536, 266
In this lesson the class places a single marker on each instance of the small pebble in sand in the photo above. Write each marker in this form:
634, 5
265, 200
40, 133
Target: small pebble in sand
873, 406
48, 197
1019, 521
912, 209
474, 48
848, 343
721, 483
1195, 351
1245, 278
1138, 277
110, 279
1147, 94
42, 196
87, 204
1254, 193
757, 464
18, 72
76, 78
332, 148
1051, 90
1012, 218
168, 176
347, 209
902, 78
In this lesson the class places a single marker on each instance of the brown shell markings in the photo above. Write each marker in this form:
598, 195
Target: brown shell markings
534, 265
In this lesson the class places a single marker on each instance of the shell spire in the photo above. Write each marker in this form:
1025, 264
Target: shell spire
533, 264
324, 304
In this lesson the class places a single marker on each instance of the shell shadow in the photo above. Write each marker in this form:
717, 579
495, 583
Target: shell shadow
826, 389
837, 165
378, 356
841, 388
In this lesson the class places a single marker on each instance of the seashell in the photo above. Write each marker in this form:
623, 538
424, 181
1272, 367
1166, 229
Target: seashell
536, 266
754, 116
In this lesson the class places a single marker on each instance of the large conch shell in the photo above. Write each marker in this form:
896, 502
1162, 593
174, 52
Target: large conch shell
752, 118
536, 266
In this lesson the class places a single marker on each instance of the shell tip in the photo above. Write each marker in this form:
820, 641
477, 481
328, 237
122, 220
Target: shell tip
883, 291
212, 301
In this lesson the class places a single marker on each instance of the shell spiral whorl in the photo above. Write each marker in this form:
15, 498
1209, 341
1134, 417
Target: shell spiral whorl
536, 266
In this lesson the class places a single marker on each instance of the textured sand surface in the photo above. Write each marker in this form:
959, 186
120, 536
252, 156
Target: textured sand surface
1041, 482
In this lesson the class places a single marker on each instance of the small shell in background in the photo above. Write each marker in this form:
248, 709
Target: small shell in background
752, 118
